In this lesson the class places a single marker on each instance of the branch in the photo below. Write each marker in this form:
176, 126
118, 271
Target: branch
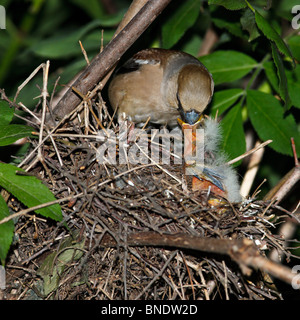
243, 251
252, 169
104, 61
285, 185
134, 8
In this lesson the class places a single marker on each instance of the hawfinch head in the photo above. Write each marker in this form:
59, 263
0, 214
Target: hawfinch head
195, 88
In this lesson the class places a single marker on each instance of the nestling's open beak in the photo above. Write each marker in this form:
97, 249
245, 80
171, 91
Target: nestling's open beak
201, 172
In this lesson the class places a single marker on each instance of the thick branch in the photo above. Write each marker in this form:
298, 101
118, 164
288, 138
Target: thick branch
243, 251
104, 61
285, 185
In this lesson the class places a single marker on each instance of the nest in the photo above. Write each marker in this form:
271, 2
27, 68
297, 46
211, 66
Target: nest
134, 231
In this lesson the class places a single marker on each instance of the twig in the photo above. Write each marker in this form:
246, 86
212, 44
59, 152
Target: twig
248, 153
29, 111
49, 135
225, 280
286, 231
189, 274
44, 95
157, 276
31, 76
30, 155
84, 53
252, 170
104, 61
294, 152
276, 194
210, 39
284, 186
71, 197
159, 166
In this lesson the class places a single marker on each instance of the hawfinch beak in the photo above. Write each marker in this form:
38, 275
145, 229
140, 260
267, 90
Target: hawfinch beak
161, 85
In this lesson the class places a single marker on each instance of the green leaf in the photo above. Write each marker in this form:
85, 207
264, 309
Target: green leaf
271, 74
293, 81
93, 7
223, 99
97, 10
29, 190
271, 34
66, 45
179, 22
58, 46
192, 45
233, 27
294, 43
228, 66
293, 78
229, 4
267, 116
13, 132
55, 264
6, 231
6, 113
283, 88
248, 23
233, 142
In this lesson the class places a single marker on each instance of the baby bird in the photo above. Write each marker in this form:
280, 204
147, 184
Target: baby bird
161, 85
214, 173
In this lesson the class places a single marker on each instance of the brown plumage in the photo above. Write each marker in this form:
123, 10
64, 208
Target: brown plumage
163, 85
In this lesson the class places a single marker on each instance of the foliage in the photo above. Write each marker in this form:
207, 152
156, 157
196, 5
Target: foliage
67, 253
28, 189
255, 69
